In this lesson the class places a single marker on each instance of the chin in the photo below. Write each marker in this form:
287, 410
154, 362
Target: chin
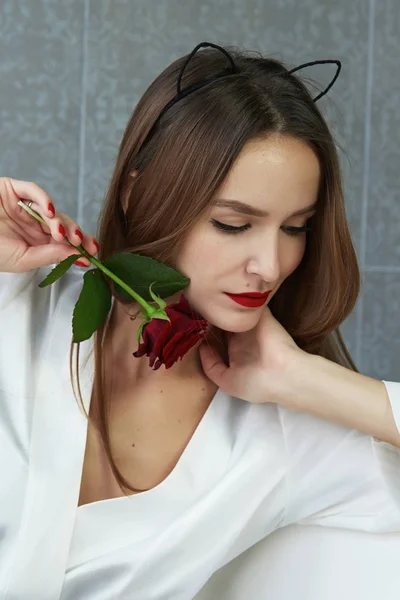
223, 317
234, 324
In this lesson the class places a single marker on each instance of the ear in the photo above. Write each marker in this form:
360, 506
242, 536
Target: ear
125, 197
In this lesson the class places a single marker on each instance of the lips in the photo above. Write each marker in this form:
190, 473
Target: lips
250, 300
253, 295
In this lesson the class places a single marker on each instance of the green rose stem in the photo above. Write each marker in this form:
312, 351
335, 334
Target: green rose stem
150, 310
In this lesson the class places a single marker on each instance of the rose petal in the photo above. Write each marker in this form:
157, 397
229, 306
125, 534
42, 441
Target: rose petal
166, 342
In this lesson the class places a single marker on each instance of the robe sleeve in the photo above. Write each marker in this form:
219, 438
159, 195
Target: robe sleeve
27, 315
339, 477
21, 291
387, 454
22, 288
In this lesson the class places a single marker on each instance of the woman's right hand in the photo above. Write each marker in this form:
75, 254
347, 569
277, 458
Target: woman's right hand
26, 243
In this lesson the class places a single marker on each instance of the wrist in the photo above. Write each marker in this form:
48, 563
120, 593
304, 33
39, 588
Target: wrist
294, 378
312, 382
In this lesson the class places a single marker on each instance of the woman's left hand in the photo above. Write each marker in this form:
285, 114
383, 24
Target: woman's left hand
260, 362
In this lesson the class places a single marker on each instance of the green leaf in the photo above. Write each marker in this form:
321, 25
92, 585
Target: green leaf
92, 307
139, 272
59, 270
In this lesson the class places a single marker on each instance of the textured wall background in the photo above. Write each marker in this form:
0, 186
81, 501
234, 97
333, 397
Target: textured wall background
71, 72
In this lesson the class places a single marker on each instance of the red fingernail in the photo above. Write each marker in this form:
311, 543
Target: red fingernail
51, 208
79, 233
96, 244
61, 229
80, 263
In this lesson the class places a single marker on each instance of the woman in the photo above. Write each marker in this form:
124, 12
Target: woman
237, 186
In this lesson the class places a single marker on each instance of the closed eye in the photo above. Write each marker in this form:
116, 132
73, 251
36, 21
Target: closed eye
290, 230
296, 230
230, 228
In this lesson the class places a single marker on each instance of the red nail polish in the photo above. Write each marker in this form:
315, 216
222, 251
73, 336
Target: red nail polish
79, 233
61, 229
51, 208
80, 263
96, 244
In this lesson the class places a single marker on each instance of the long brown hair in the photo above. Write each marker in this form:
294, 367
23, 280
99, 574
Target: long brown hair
182, 159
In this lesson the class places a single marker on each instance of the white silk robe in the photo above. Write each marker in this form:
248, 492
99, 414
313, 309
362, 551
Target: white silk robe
248, 471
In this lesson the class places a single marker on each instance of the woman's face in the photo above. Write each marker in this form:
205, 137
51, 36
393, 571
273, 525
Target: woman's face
277, 178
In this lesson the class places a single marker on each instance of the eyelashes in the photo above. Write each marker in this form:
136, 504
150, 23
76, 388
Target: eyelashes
232, 229
296, 230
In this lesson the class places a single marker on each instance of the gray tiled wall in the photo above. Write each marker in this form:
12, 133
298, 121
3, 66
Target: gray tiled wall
71, 72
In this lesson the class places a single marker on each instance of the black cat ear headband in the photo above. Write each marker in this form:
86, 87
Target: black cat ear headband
182, 93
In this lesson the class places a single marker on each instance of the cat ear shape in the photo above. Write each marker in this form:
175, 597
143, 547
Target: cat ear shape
321, 62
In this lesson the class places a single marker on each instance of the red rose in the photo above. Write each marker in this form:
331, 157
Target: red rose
165, 342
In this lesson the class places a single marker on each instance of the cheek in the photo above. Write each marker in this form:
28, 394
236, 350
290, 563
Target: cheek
292, 259
197, 259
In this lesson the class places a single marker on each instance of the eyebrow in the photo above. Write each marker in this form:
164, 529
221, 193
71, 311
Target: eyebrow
246, 209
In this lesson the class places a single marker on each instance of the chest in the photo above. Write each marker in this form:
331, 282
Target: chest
148, 431
218, 501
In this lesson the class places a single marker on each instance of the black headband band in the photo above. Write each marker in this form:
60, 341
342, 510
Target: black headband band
181, 94
192, 88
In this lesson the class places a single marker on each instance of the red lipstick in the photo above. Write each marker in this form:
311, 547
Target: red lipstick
251, 299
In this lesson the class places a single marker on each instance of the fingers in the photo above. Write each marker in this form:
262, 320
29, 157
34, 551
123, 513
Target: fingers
62, 228
59, 225
213, 364
76, 236
36, 232
28, 190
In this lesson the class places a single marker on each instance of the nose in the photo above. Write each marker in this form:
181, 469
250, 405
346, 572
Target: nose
265, 261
